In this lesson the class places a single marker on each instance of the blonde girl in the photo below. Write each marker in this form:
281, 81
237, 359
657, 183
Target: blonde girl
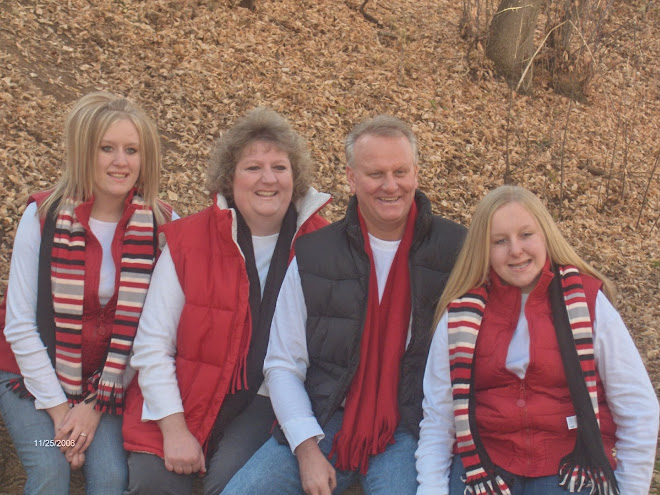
533, 383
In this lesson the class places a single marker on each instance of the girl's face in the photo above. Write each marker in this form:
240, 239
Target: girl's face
118, 161
517, 246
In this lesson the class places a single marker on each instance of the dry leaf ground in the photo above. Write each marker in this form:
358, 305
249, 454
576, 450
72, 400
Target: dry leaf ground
197, 65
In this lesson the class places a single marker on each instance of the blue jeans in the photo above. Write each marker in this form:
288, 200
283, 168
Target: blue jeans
543, 485
47, 469
274, 469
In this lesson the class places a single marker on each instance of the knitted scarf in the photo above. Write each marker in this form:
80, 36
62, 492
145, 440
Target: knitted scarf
62, 333
261, 315
587, 464
371, 414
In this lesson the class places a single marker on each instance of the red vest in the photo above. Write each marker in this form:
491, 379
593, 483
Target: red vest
97, 320
523, 423
213, 277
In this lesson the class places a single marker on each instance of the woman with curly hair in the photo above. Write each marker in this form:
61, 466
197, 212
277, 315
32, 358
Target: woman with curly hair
200, 406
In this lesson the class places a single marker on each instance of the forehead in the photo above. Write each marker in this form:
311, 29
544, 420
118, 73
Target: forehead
375, 151
121, 128
512, 215
261, 146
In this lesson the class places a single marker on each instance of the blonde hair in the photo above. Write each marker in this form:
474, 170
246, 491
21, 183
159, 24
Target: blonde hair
260, 124
473, 263
84, 128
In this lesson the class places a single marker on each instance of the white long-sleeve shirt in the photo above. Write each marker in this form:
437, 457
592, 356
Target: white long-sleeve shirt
154, 347
287, 360
21, 320
628, 391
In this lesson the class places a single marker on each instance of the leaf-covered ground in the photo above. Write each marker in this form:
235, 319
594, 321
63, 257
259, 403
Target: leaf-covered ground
197, 65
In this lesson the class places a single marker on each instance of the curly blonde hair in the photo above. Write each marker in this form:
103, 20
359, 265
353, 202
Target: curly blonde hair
260, 124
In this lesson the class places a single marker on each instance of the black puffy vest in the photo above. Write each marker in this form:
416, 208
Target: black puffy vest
334, 272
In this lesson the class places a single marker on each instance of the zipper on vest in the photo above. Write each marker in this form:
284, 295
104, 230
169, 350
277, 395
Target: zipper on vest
522, 404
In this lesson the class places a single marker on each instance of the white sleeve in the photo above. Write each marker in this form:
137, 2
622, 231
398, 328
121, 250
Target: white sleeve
630, 397
21, 320
436, 438
155, 342
286, 363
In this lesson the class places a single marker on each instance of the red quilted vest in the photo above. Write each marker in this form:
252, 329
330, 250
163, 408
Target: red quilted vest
523, 423
212, 274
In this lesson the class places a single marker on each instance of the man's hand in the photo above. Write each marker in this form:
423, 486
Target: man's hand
316, 474
183, 453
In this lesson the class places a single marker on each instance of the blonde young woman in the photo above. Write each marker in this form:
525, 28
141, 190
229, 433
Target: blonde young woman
81, 264
533, 383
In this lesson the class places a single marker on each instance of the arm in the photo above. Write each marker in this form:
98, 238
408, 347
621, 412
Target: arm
155, 342
21, 324
285, 369
154, 351
436, 439
630, 397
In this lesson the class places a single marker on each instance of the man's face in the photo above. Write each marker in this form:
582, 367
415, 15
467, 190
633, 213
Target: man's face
384, 179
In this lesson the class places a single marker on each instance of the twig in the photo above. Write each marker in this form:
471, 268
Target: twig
529, 64
561, 159
507, 171
648, 186
609, 174
367, 16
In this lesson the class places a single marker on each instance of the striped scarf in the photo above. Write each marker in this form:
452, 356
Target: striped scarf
67, 278
587, 464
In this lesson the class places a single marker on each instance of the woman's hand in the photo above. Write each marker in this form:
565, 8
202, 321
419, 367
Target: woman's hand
183, 453
79, 426
57, 414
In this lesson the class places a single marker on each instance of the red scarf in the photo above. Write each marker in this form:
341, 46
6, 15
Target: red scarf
371, 414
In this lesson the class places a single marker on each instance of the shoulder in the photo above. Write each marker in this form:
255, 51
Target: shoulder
324, 233
189, 230
39, 197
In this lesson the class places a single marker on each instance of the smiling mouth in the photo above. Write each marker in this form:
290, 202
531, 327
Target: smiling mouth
520, 266
266, 194
389, 200
118, 175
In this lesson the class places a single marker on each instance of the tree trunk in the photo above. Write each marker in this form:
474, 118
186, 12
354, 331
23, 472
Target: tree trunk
511, 39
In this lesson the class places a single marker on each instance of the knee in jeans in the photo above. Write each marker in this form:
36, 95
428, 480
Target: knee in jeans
50, 471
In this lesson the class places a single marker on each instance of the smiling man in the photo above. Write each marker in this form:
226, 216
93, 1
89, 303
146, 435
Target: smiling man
351, 331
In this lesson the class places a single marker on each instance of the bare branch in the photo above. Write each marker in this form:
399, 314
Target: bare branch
648, 186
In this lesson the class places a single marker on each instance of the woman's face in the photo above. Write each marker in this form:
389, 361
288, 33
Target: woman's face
118, 161
517, 246
263, 187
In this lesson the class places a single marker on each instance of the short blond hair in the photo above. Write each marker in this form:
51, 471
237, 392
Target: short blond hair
473, 263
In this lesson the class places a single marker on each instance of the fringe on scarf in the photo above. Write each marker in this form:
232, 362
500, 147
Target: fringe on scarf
574, 477
355, 454
17, 386
110, 397
487, 484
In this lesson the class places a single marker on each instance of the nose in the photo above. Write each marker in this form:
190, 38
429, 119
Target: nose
121, 157
516, 247
268, 176
389, 183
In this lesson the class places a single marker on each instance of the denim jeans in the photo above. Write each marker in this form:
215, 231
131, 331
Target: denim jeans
274, 469
543, 485
47, 469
